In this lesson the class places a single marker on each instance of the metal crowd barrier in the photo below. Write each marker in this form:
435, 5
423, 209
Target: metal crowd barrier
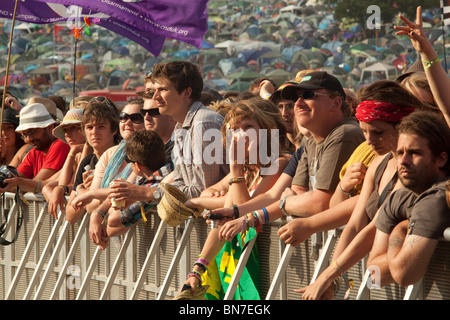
52, 259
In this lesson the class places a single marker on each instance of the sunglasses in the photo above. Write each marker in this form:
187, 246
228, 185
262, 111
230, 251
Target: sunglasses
134, 117
151, 112
104, 99
306, 95
128, 160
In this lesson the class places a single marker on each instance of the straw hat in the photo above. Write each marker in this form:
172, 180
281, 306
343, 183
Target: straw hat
34, 116
200, 292
72, 116
80, 102
171, 208
49, 104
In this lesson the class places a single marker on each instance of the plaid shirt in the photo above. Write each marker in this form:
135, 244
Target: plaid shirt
191, 174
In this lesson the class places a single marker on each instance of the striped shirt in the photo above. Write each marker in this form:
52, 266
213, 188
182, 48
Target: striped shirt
192, 174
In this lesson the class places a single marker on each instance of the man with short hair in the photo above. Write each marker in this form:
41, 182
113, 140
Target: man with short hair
178, 86
413, 219
162, 124
321, 109
48, 153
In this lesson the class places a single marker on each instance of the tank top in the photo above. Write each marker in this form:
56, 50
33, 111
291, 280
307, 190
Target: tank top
376, 199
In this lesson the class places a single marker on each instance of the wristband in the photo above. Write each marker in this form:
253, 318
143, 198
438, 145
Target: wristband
428, 64
342, 190
38, 187
98, 211
71, 155
65, 188
266, 215
235, 212
234, 180
337, 267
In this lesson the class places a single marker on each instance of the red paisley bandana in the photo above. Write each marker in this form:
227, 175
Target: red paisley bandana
367, 111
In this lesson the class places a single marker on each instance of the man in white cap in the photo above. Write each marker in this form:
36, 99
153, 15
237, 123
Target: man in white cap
47, 155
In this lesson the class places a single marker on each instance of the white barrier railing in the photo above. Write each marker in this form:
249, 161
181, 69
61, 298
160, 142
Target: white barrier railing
55, 275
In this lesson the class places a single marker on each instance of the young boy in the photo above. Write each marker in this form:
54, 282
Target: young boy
146, 153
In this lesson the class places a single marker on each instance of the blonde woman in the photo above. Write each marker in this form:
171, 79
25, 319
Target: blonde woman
246, 178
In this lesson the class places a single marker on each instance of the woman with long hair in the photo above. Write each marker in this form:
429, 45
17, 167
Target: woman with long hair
245, 123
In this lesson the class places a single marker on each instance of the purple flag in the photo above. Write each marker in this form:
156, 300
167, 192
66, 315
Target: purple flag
151, 37
184, 20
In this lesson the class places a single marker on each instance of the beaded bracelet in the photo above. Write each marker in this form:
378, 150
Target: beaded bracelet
196, 275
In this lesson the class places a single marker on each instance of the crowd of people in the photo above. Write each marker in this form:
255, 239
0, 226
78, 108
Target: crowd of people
374, 162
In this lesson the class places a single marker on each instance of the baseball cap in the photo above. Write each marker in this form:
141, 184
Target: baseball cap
277, 94
313, 81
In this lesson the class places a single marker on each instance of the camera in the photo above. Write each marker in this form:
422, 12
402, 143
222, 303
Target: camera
7, 172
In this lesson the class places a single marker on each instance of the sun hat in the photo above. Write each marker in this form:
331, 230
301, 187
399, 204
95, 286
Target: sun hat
417, 66
171, 209
34, 116
313, 81
80, 102
72, 116
11, 116
186, 294
50, 105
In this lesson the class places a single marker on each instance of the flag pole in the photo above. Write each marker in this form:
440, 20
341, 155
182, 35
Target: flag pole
7, 64
443, 33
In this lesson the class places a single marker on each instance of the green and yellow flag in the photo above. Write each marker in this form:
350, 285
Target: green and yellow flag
221, 270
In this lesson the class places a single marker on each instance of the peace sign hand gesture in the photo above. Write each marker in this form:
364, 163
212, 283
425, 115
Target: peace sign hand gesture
417, 36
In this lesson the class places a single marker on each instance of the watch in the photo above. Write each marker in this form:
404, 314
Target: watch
157, 195
282, 204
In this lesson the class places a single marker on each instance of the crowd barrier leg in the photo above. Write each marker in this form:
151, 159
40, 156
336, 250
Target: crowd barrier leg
239, 270
120, 256
280, 272
89, 272
325, 254
82, 229
415, 291
364, 292
149, 259
28, 249
176, 259
43, 256
52, 261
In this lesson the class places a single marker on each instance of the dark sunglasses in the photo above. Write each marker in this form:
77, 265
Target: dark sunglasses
134, 117
104, 99
151, 112
128, 160
306, 95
